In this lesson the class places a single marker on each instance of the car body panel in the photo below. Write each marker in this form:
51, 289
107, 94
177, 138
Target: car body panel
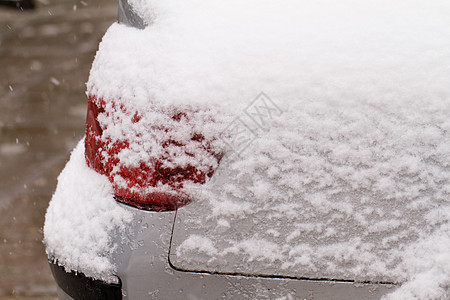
139, 250
145, 271
127, 16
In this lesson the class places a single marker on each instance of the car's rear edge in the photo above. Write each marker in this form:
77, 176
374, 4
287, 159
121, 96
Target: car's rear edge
144, 270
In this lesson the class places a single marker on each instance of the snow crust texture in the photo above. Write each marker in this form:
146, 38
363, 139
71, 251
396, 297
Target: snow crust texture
349, 180
210, 57
81, 220
350, 191
158, 153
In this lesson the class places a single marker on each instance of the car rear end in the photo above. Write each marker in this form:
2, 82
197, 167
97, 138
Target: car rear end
261, 150
135, 262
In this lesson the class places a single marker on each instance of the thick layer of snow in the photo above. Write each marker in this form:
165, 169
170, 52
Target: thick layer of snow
212, 57
160, 139
81, 219
228, 51
352, 190
350, 180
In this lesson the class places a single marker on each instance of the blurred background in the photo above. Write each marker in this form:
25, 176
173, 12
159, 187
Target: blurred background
45, 57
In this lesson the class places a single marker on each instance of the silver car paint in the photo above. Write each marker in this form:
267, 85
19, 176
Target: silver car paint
127, 16
143, 265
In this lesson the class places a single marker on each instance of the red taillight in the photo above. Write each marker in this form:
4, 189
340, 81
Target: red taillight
93, 133
102, 155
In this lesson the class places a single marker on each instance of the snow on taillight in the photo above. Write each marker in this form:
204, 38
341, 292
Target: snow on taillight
155, 183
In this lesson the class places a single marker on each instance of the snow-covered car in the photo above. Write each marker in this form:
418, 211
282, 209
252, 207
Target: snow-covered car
261, 149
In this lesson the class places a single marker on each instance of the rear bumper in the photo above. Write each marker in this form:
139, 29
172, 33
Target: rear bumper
144, 270
77, 286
